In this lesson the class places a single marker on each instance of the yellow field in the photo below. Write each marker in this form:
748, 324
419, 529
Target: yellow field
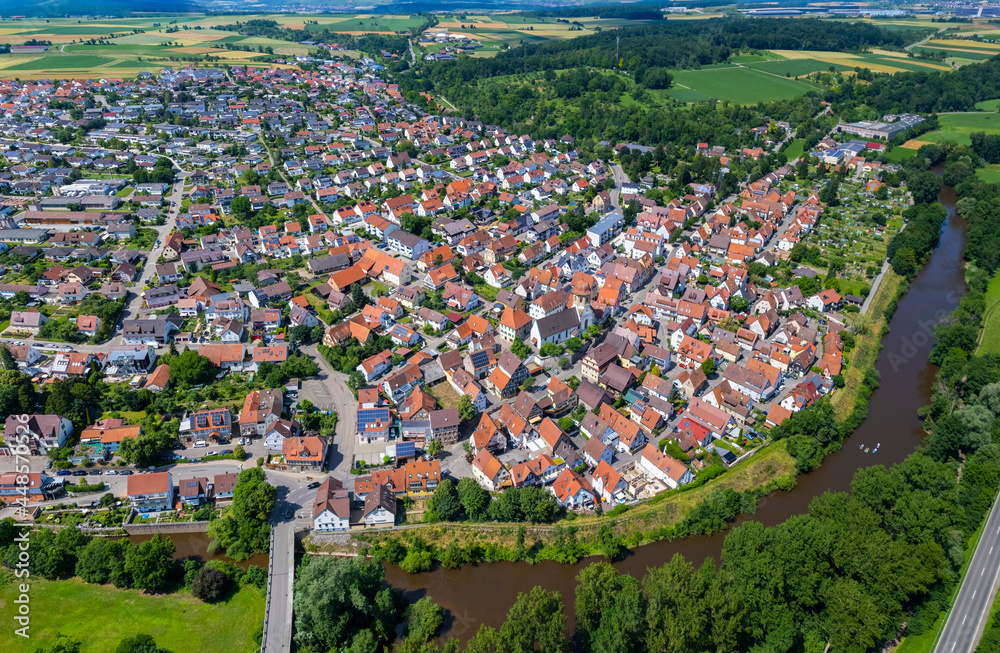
837, 59
914, 144
965, 43
812, 54
931, 47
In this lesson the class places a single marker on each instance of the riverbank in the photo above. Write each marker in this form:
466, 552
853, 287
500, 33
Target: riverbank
702, 510
99, 616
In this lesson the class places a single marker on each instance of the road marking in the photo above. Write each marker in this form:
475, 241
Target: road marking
964, 618
974, 593
953, 646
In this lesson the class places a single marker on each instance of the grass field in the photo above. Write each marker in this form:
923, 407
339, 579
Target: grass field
988, 105
794, 149
989, 339
796, 67
101, 615
990, 174
736, 84
956, 127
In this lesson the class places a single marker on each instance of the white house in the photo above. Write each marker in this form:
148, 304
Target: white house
670, 471
332, 507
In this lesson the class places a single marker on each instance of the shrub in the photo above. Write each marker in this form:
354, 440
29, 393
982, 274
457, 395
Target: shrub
209, 585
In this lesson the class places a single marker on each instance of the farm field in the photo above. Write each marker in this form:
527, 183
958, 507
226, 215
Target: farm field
176, 621
510, 30
956, 127
734, 83
800, 62
963, 50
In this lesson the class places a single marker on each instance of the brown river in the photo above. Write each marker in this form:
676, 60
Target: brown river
483, 593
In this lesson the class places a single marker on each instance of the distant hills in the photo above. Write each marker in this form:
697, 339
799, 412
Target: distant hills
53, 8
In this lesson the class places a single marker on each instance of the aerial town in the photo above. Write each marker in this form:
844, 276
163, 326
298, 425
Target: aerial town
477, 304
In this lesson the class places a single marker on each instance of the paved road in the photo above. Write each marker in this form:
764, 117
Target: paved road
967, 618
278, 630
341, 400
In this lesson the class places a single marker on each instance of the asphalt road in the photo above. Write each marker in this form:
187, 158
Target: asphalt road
278, 632
967, 618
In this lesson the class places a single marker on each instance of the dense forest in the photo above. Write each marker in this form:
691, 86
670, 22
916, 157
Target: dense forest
931, 92
676, 44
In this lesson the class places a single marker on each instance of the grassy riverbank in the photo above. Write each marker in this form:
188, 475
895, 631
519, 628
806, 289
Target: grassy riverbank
99, 616
868, 334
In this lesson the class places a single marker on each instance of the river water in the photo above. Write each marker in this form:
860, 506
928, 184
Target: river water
483, 593
195, 545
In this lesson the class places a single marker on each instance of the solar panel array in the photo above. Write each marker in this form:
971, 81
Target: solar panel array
479, 358
370, 415
406, 449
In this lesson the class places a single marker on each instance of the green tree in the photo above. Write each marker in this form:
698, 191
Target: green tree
209, 585
189, 368
423, 620
335, 599
474, 498
904, 263
241, 207
142, 643
708, 366
149, 563
466, 409
519, 349
446, 501
244, 529
434, 448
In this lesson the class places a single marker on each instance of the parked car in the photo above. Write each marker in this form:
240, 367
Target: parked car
63, 472
313, 485
225, 452
125, 472
95, 472
80, 472
111, 472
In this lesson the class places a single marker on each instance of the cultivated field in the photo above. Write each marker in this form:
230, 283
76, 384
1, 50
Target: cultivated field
124, 47
962, 51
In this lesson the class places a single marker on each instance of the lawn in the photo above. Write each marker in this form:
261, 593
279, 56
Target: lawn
446, 395
988, 105
989, 339
736, 84
794, 149
101, 615
989, 174
956, 127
